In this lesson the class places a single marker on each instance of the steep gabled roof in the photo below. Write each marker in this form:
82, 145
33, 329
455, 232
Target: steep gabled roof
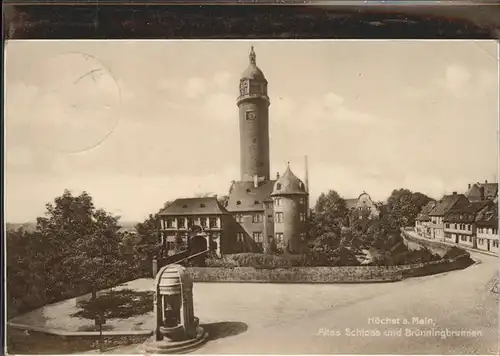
243, 196
194, 206
488, 216
490, 189
446, 203
465, 213
288, 184
424, 213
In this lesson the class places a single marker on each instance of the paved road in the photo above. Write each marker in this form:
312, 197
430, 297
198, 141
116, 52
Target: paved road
458, 300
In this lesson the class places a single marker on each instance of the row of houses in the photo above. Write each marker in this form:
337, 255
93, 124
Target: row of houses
469, 220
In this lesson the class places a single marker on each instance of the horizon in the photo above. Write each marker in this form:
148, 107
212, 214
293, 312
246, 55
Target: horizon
371, 116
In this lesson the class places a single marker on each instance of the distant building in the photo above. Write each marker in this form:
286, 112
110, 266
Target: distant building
482, 191
423, 219
443, 206
261, 213
487, 228
362, 207
459, 223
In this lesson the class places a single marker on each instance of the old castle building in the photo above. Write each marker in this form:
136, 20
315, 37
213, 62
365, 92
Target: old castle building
261, 214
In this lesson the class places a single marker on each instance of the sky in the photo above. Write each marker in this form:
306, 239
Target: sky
139, 123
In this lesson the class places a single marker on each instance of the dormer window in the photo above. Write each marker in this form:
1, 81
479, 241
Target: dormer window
248, 190
256, 202
184, 206
238, 202
202, 205
278, 186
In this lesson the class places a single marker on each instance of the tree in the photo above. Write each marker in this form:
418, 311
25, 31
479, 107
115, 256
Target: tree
83, 244
404, 206
330, 214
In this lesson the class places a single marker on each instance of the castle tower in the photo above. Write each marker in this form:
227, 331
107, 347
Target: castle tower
290, 209
253, 104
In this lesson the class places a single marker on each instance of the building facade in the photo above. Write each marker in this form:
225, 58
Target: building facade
460, 225
487, 228
362, 208
182, 215
423, 219
442, 207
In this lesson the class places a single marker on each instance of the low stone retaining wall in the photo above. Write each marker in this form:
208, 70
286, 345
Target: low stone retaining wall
347, 274
434, 246
353, 274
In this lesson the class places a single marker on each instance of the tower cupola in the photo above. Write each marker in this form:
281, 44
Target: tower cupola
289, 184
253, 83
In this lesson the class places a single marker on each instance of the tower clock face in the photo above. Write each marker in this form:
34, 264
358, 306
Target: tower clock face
250, 115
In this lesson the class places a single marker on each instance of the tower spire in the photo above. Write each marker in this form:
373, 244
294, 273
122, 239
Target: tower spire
252, 56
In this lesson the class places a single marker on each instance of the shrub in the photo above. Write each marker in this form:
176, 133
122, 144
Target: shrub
455, 252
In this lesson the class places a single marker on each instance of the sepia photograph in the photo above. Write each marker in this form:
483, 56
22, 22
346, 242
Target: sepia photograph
252, 197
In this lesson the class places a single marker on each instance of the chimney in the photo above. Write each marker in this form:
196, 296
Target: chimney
469, 185
255, 181
454, 193
306, 179
277, 175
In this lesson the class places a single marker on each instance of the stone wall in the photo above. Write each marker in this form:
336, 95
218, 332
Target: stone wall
299, 274
414, 243
345, 274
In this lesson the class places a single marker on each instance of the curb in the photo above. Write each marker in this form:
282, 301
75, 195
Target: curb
79, 333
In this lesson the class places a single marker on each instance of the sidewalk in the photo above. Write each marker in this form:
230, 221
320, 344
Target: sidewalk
446, 243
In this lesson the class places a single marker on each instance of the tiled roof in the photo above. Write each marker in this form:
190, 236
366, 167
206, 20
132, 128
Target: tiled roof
488, 216
243, 196
288, 183
424, 214
465, 213
490, 189
194, 206
446, 203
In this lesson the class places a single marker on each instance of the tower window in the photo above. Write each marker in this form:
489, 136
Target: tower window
302, 201
279, 217
278, 186
240, 237
278, 201
302, 217
279, 240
